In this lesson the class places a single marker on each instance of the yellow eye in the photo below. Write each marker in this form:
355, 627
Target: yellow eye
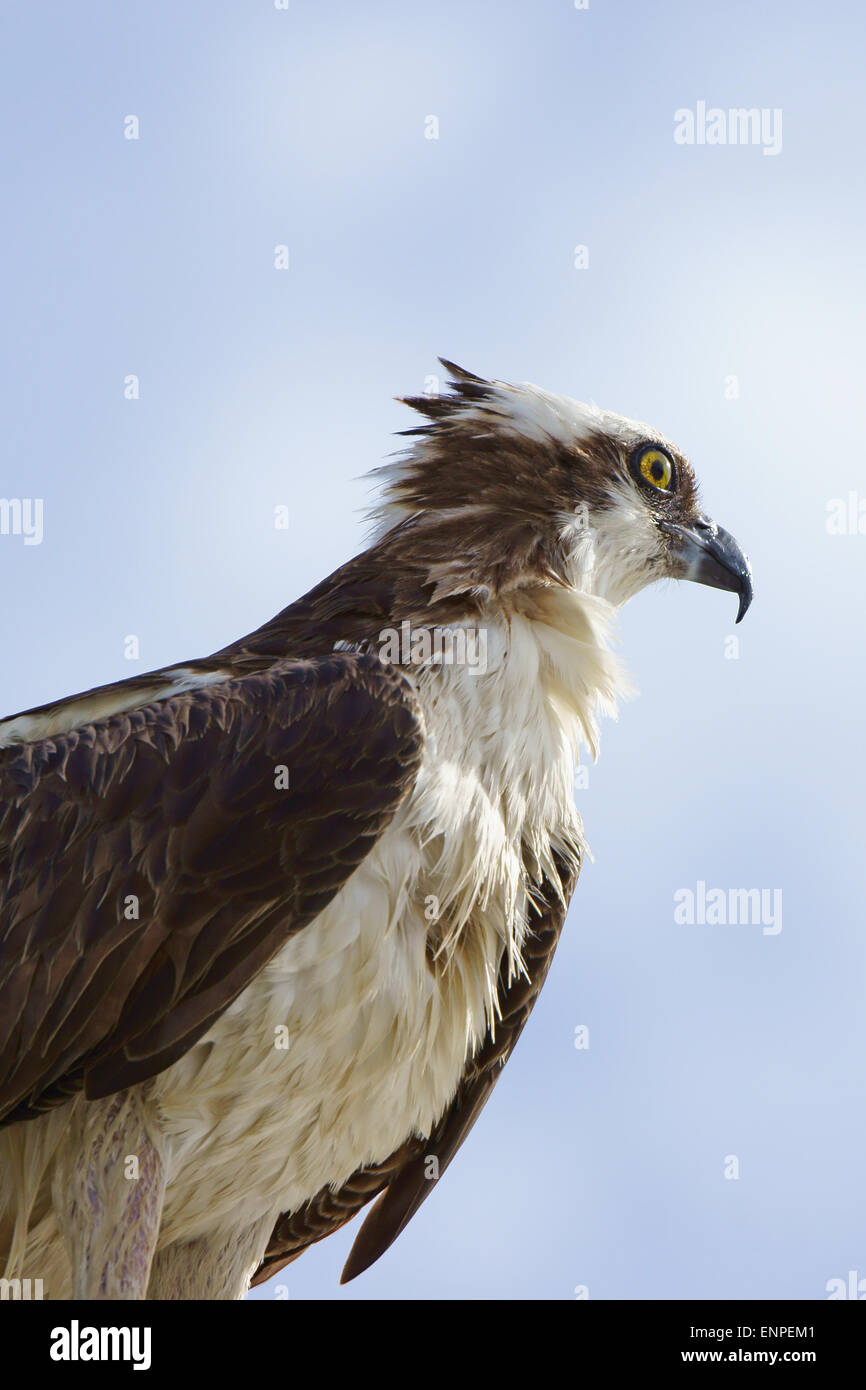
656, 468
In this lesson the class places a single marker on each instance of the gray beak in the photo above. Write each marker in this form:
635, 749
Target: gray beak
708, 555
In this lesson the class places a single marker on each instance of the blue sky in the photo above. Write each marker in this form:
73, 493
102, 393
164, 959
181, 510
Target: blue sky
603, 1167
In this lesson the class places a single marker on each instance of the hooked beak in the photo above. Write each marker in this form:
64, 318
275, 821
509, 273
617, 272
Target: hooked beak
709, 555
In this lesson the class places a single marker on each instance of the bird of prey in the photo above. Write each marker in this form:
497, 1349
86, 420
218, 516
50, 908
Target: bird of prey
272, 921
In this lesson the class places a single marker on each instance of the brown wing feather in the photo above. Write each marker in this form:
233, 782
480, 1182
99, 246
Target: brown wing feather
401, 1182
176, 806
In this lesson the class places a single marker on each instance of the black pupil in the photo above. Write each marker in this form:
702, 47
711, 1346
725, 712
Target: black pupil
657, 470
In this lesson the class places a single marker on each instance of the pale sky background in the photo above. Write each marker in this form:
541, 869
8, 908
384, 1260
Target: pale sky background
604, 1167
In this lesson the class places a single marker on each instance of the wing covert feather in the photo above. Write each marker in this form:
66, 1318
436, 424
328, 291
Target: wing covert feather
177, 812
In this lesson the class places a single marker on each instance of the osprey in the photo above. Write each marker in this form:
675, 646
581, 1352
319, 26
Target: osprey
272, 921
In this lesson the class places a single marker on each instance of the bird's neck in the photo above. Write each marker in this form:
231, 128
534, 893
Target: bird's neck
524, 692
494, 804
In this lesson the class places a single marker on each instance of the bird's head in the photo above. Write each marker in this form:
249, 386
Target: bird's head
506, 487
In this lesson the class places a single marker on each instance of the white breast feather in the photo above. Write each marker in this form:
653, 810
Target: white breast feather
378, 1036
